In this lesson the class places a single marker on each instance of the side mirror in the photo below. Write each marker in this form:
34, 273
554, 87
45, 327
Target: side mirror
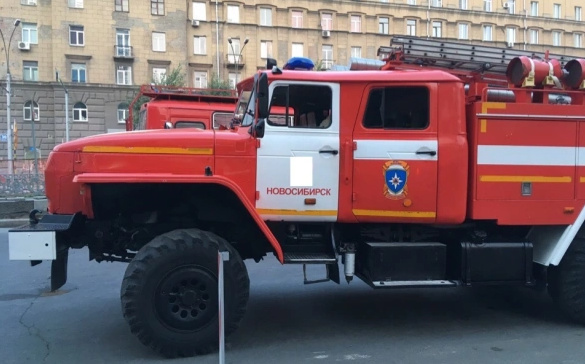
270, 63
262, 96
168, 125
259, 128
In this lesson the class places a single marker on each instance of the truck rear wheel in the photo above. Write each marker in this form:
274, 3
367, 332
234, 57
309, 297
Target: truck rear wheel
566, 283
169, 293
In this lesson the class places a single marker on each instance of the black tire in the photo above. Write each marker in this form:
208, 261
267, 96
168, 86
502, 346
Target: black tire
169, 293
566, 282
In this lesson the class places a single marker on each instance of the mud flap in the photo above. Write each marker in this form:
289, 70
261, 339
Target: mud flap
59, 269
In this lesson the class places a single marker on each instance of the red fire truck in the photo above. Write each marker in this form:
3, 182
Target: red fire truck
451, 165
182, 107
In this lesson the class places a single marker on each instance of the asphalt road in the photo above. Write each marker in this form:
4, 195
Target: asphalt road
286, 321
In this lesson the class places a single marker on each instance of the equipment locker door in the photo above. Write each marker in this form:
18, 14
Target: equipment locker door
396, 155
297, 176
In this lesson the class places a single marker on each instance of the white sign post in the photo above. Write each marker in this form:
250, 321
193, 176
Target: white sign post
221, 257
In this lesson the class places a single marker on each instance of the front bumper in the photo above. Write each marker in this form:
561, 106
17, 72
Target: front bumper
44, 239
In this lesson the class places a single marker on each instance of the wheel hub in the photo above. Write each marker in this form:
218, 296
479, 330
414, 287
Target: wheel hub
186, 298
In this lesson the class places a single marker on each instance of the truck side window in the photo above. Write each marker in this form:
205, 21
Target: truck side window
307, 106
222, 119
189, 124
397, 108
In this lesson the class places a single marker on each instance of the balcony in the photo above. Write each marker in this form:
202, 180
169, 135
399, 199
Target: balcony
123, 52
234, 61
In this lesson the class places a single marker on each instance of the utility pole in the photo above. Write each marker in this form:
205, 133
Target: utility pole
8, 96
66, 105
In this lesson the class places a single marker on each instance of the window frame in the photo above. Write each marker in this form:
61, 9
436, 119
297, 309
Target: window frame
484, 28
264, 49
460, 27
199, 73
326, 21
30, 29
33, 109
163, 74
124, 107
382, 127
557, 38
355, 24
75, 66
411, 27
534, 8
235, 10
126, 74
75, 4
199, 15
436, 29
296, 19
156, 6
265, 21
202, 39
122, 6
77, 109
79, 33
384, 26
157, 37
32, 69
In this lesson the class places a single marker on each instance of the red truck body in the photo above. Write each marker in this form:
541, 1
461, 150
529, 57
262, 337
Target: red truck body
449, 165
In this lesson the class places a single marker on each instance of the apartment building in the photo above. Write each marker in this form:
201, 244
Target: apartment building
104, 49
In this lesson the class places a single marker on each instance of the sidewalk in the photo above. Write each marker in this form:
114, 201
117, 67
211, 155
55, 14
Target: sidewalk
14, 211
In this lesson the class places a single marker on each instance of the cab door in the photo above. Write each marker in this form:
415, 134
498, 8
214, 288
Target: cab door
298, 157
396, 155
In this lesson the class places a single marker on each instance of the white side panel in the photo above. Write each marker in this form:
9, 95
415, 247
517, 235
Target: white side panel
32, 245
395, 149
290, 169
527, 155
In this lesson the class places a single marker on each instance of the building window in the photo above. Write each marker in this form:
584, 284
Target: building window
124, 75
383, 25
76, 37
234, 51
199, 11
30, 71
578, 12
410, 27
266, 49
356, 24
327, 21
578, 40
297, 50
533, 36
233, 14
437, 27
511, 35
511, 6
266, 17
487, 33
557, 11
79, 112
157, 7
199, 45
30, 33
122, 5
356, 52
123, 48
327, 54
78, 4
437, 3
31, 111
534, 8
28, 2
78, 72
123, 108
463, 4
487, 5
159, 75
463, 31
297, 19
411, 2
159, 42
556, 38
200, 79
232, 78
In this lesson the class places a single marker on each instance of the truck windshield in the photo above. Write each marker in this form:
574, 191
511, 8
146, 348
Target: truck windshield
248, 108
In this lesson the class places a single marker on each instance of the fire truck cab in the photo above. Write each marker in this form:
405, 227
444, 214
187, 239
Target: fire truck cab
449, 165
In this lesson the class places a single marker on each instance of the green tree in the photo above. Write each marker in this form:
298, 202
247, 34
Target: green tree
216, 84
176, 77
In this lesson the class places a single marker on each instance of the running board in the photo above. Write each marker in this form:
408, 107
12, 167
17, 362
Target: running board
413, 284
309, 258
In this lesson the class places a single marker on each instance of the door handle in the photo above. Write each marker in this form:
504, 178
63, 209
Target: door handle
330, 151
429, 152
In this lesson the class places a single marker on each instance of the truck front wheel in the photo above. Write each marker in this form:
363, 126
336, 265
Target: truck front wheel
169, 293
566, 283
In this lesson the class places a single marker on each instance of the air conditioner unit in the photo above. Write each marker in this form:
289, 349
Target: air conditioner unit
194, 23
326, 33
510, 44
25, 46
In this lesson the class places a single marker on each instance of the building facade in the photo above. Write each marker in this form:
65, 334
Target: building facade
104, 49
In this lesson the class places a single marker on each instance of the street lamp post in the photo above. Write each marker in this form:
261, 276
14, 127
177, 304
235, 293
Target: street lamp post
8, 95
237, 56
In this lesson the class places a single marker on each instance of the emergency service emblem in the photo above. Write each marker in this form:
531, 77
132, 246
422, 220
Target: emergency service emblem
396, 177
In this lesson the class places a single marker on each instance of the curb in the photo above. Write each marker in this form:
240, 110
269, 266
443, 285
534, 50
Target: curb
12, 223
